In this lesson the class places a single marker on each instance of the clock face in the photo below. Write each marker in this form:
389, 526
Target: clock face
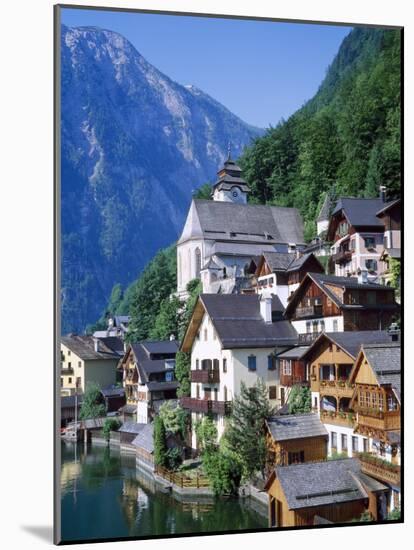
235, 193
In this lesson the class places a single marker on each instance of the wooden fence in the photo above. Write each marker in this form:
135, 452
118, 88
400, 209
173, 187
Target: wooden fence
182, 480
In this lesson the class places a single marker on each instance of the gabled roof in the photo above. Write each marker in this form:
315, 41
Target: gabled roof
160, 347
296, 426
114, 343
350, 341
385, 361
322, 483
294, 353
83, 347
388, 206
144, 439
234, 222
324, 281
113, 391
238, 322
285, 262
325, 210
131, 427
146, 355
359, 211
68, 401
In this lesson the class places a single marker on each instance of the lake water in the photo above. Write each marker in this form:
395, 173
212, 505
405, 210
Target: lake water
105, 496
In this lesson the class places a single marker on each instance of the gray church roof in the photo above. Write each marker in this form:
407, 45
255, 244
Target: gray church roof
240, 222
325, 210
296, 426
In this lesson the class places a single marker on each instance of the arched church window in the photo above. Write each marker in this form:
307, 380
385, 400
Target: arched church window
197, 262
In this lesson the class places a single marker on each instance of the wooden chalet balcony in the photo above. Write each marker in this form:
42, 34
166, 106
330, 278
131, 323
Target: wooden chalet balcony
379, 420
67, 370
208, 376
196, 405
342, 257
346, 419
221, 407
309, 311
380, 469
336, 388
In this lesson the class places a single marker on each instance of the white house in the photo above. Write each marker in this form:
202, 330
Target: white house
233, 338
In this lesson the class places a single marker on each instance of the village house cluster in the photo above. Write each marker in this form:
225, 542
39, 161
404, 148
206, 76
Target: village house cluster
323, 315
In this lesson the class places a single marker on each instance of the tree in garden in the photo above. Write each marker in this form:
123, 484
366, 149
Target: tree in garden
92, 406
175, 418
206, 433
182, 373
160, 443
110, 425
245, 433
168, 319
299, 400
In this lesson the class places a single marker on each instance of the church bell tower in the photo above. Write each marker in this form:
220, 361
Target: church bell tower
230, 186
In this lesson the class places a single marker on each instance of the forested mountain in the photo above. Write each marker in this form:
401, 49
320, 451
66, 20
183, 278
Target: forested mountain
345, 140
134, 146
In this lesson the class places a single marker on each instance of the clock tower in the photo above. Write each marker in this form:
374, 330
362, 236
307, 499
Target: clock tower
230, 186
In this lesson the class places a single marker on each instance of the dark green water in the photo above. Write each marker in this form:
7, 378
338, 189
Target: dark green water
104, 496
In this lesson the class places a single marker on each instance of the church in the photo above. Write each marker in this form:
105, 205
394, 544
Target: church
223, 236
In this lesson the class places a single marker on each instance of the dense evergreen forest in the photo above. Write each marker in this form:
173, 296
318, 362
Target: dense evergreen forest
344, 141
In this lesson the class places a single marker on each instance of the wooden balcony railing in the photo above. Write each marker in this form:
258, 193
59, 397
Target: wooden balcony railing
342, 257
379, 420
67, 370
380, 469
208, 376
309, 311
196, 405
221, 407
338, 418
336, 388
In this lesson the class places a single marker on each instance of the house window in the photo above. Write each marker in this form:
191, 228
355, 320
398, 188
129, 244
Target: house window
271, 362
314, 327
335, 325
70, 380
225, 393
61, 382
198, 391
365, 445
354, 444
334, 442
391, 403
69, 352
272, 392
372, 298
352, 244
286, 367
214, 335
344, 442
79, 364
369, 242
322, 326
69, 365
78, 382
380, 402
197, 365
216, 364
308, 327
252, 363
371, 265
215, 394
224, 365
169, 376
296, 457
205, 334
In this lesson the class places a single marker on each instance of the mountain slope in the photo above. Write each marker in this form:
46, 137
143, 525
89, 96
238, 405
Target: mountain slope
345, 140
134, 146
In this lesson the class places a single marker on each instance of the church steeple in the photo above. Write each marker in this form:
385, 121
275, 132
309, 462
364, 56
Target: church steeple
230, 186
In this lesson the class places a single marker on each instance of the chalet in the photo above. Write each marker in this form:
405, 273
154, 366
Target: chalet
85, 359
127, 433
357, 230
333, 491
377, 403
113, 398
319, 246
232, 339
144, 446
390, 216
329, 303
221, 236
292, 370
330, 360
295, 438
281, 274
148, 377
117, 328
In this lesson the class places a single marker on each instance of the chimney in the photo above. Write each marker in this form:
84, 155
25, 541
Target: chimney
266, 307
383, 192
363, 277
172, 337
96, 345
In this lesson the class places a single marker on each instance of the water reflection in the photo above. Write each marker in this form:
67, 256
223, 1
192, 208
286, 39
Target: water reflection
104, 496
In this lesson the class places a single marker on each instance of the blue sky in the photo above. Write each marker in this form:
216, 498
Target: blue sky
261, 70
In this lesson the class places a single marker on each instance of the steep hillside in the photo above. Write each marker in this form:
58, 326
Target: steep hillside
345, 140
134, 146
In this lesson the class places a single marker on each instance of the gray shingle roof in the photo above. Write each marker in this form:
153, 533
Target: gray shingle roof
144, 439
294, 353
113, 391
68, 401
131, 428
161, 346
237, 320
352, 341
282, 224
114, 343
387, 206
360, 212
320, 483
143, 351
83, 347
296, 426
129, 409
162, 386
385, 359
324, 212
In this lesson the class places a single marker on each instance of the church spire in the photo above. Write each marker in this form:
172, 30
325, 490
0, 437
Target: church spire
230, 187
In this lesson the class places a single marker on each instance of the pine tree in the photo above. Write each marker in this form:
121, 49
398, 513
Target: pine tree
92, 406
299, 400
160, 444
